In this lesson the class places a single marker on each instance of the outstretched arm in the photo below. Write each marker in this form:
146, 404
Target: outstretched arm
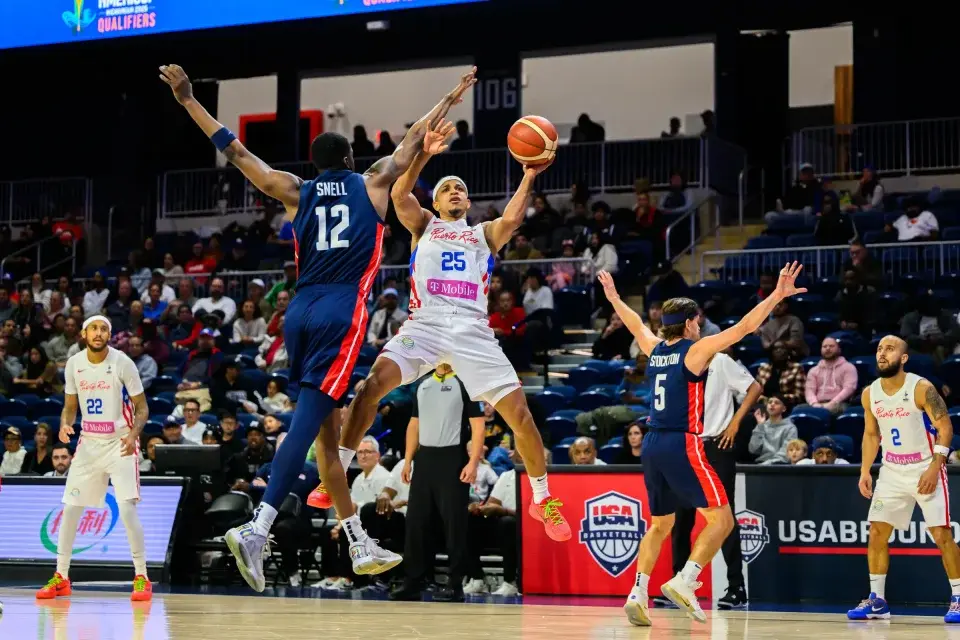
279, 185
700, 353
500, 231
385, 171
409, 212
631, 319
928, 399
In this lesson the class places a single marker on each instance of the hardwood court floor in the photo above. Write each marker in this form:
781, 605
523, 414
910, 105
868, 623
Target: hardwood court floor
111, 616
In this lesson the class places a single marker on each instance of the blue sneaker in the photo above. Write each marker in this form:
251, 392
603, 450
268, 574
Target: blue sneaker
953, 613
874, 608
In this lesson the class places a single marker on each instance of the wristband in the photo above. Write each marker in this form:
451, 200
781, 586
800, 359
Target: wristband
941, 450
222, 139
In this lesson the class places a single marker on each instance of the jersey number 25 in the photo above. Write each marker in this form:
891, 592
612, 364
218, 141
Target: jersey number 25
340, 211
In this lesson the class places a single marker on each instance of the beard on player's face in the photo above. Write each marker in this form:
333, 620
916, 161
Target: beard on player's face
888, 369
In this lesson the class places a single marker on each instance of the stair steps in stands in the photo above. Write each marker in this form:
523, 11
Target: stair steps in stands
729, 239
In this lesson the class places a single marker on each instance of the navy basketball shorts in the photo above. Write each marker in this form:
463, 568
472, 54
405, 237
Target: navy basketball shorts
324, 329
677, 473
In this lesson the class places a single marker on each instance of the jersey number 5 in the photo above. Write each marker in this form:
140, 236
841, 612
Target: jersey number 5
340, 211
659, 393
94, 406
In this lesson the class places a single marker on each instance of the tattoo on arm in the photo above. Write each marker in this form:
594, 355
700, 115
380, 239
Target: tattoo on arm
935, 404
141, 413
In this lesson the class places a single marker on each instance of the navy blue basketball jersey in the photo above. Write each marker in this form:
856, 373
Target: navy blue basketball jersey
677, 392
337, 232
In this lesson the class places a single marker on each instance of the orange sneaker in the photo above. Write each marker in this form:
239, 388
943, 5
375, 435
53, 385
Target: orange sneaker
548, 512
142, 589
58, 586
319, 498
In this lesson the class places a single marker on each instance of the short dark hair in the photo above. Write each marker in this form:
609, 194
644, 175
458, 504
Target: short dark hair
328, 151
62, 445
191, 401
689, 308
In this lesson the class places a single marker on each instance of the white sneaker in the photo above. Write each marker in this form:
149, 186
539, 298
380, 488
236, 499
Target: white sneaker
249, 548
369, 559
295, 581
507, 589
637, 608
681, 593
475, 587
326, 583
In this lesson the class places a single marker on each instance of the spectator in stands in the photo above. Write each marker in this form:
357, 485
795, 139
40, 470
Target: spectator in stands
288, 284
541, 221
362, 147
230, 391
10, 368
394, 248
217, 302
930, 329
146, 366
916, 224
587, 131
796, 451
199, 264
139, 271
155, 307
134, 323
563, 273
41, 294
186, 330
782, 377
242, 468
214, 248
599, 221
674, 129
783, 327
58, 346
193, 428
158, 277
230, 442
614, 342
275, 401
61, 458
283, 301
255, 290
185, 295
148, 465
200, 367
707, 326
119, 310
522, 249
172, 271
768, 282
825, 451
504, 322
464, 139
869, 193
536, 295
856, 304
250, 328
647, 224
153, 345
630, 452
833, 227
95, 299
273, 354
40, 376
387, 146
773, 433
678, 196
173, 432
239, 259
602, 253
13, 452
833, 380
56, 306
39, 460
667, 283
386, 320
802, 198
7, 308
583, 451
868, 267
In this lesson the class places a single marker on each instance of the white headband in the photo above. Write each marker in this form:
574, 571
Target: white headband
440, 182
104, 319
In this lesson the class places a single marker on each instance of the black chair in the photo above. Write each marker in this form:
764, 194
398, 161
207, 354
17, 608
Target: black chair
229, 510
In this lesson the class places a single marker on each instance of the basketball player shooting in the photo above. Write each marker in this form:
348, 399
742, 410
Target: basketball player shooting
905, 413
675, 467
104, 385
451, 265
338, 243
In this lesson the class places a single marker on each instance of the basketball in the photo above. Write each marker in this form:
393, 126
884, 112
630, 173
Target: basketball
532, 140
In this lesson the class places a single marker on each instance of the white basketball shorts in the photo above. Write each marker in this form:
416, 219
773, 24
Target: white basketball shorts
896, 494
464, 342
96, 462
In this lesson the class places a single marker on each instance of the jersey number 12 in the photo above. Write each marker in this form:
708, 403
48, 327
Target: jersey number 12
340, 211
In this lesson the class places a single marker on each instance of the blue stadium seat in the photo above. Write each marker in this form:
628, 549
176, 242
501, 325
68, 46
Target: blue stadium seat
20, 422
821, 323
728, 322
13, 408
707, 289
851, 343
826, 287
28, 430
567, 413
244, 419
609, 452
850, 451
810, 423
616, 440
209, 419
564, 389
866, 367
764, 242
801, 240
873, 237
868, 221
809, 363
561, 454
787, 225
153, 428
52, 420
804, 304
163, 384
582, 378
850, 423
257, 379
754, 367
160, 407
29, 399
552, 401
950, 371
560, 428
287, 418
593, 399
950, 234
921, 364
246, 362
367, 355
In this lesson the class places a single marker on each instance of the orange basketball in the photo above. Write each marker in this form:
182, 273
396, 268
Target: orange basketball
532, 140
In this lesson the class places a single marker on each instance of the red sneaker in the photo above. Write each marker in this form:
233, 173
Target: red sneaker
142, 589
548, 512
319, 498
58, 586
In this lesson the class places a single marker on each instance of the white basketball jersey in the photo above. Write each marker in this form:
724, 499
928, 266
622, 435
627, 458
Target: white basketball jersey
450, 269
103, 392
904, 436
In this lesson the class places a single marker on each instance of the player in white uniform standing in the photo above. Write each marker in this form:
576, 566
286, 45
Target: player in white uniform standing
451, 267
104, 385
905, 413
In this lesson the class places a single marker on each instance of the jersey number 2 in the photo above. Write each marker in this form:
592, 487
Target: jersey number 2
896, 437
94, 406
659, 393
341, 211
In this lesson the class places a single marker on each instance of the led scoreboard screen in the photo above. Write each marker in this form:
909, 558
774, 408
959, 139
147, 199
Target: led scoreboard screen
26, 23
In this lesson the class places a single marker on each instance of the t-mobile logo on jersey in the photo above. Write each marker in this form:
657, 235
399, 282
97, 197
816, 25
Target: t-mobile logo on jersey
452, 288
439, 233
94, 385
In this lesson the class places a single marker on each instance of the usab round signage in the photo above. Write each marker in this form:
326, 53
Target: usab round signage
754, 535
611, 529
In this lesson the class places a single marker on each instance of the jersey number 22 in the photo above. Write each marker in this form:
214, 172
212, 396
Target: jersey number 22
340, 211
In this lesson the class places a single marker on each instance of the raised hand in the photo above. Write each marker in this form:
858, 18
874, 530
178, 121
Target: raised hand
436, 139
786, 285
467, 80
608, 287
178, 81
533, 171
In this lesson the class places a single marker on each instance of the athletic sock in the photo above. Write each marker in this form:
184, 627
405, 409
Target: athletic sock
540, 489
354, 529
642, 581
69, 520
313, 407
263, 519
690, 572
346, 457
878, 584
131, 522
955, 587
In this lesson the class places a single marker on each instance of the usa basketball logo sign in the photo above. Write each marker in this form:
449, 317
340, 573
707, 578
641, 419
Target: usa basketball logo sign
611, 529
754, 535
